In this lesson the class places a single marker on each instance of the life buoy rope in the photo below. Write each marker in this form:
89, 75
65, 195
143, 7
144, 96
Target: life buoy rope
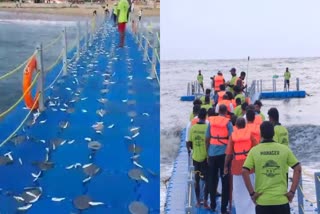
27, 80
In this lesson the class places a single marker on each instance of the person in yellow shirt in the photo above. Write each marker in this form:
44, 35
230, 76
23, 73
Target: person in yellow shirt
122, 15
287, 76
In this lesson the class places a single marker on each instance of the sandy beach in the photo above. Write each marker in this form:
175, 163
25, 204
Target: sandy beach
75, 10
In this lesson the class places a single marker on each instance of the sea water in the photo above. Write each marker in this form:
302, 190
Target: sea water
300, 116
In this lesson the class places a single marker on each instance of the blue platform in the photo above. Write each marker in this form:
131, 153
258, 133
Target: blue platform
283, 94
132, 101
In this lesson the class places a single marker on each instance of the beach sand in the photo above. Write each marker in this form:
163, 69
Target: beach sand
76, 9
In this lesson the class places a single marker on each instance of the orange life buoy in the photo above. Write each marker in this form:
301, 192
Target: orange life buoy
27, 80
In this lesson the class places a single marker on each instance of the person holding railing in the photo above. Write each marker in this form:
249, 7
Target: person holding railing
270, 161
197, 144
122, 15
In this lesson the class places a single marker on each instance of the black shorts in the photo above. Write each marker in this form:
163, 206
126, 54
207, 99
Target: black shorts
274, 209
287, 82
202, 167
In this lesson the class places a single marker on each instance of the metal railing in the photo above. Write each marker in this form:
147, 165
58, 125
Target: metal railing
39, 79
149, 42
193, 88
190, 189
275, 85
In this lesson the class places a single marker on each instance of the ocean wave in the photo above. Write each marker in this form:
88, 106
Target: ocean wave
37, 22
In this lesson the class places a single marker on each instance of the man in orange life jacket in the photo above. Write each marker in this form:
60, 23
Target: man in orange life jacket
239, 145
219, 95
217, 135
227, 102
253, 127
217, 81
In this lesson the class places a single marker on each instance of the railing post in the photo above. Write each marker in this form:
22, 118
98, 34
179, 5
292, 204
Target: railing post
154, 58
91, 33
41, 77
64, 45
260, 85
86, 35
140, 40
317, 183
298, 84
145, 54
300, 197
78, 40
188, 89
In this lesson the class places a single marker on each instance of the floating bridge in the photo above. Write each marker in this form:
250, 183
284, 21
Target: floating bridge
91, 144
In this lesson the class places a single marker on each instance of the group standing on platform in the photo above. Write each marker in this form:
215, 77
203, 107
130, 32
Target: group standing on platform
231, 142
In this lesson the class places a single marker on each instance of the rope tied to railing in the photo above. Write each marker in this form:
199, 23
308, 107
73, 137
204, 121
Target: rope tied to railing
55, 63
53, 42
21, 124
23, 95
17, 68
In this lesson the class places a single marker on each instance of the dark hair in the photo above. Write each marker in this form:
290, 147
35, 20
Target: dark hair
250, 107
197, 102
258, 102
244, 106
202, 114
208, 91
196, 109
238, 101
242, 73
240, 122
222, 87
250, 114
230, 95
211, 112
267, 130
222, 109
274, 114
233, 119
225, 96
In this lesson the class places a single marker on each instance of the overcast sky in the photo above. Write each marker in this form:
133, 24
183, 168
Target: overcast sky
228, 29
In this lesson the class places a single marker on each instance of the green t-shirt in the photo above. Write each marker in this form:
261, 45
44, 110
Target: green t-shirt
200, 78
281, 135
262, 116
233, 83
197, 137
270, 162
287, 75
238, 111
206, 106
123, 7
242, 98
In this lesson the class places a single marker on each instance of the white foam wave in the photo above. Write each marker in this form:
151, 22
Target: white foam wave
37, 22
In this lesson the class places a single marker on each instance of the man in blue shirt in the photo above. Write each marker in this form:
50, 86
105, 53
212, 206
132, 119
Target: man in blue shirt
217, 135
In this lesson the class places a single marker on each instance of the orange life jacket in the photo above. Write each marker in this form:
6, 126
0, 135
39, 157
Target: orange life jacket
255, 130
194, 121
248, 100
226, 103
218, 80
220, 95
258, 119
242, 143
218, 130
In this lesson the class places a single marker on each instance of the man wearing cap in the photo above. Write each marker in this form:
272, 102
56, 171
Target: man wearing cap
257, 106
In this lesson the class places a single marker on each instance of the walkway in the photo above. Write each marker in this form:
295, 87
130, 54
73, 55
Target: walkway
108, 102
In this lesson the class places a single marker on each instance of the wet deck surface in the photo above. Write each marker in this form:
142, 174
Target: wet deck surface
107, 101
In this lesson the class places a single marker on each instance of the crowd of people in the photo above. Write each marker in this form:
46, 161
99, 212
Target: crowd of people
230, 140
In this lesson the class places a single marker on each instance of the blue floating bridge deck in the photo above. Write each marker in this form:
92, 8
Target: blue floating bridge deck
177, 191
132, 100
283, 94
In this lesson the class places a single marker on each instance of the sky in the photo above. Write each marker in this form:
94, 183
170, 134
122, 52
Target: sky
234, 29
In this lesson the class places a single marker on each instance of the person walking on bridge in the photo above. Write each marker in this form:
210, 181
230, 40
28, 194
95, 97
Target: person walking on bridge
270, 161
122, 15
239, 145
219, 130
